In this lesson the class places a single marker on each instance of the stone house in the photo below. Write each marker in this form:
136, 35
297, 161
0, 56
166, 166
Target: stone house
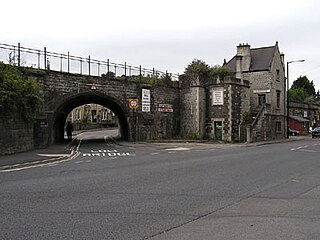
219, 108
264, 68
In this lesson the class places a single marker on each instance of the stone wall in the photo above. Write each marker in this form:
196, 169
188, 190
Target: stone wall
264, 127
156, 124
236, 100
192, 106
16, 135
200, 114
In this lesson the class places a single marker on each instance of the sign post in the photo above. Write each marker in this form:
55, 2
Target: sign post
134, 104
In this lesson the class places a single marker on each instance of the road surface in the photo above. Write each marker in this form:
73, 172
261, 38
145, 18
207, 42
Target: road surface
167, 191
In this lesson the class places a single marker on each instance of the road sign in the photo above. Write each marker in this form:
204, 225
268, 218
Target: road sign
146, 100
163, 107
165, 110
93, 86
133, 103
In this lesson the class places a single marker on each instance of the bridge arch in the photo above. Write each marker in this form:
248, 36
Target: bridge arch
71, 102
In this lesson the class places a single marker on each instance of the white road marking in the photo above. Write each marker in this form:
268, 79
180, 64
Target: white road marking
53, 155
178, 149
156, 153
45, 163
307, 150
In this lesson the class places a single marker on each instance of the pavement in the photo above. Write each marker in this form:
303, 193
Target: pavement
283, 218
52, 153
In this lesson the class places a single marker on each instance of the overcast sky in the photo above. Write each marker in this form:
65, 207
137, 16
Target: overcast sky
167, 34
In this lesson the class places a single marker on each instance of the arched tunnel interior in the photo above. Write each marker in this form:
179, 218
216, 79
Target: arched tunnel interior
67, 106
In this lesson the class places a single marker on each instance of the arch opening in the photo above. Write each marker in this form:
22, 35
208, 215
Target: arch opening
62, 112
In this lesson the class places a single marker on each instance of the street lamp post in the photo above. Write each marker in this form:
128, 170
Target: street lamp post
301, 60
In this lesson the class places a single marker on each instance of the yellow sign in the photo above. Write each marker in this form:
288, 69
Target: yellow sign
133, 103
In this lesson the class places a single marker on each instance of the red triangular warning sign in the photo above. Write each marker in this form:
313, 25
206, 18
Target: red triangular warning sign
93, 86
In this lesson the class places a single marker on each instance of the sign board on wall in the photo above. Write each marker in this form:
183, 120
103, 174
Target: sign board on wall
262, 91
217, 96
146, 100
165, 107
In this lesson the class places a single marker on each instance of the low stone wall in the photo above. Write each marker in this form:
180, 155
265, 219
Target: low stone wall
16, 135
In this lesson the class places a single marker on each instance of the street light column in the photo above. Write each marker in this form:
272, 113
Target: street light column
301, 60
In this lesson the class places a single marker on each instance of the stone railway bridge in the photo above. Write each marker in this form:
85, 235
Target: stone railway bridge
64, 91
194, 113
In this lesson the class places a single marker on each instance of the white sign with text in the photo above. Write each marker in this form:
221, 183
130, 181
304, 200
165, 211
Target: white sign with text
146, 100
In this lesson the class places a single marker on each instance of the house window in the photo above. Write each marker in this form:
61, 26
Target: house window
278, 127
278, 75
278, 98
261, 99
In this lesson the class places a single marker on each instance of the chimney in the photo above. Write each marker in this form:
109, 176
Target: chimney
239, 67
243, 50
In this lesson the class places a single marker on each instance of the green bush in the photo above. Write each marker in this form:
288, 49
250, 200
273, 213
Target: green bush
18, 92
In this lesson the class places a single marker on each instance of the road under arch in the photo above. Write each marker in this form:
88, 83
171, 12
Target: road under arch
72, 102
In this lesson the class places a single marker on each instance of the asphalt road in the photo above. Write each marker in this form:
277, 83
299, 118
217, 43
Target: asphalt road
167, 191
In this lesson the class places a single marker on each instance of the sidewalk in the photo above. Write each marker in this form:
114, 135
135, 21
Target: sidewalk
255, 218
51, 153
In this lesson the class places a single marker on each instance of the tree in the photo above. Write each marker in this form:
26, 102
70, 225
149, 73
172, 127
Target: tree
200, 67
303, 90
303, 82
218, 71
297, 94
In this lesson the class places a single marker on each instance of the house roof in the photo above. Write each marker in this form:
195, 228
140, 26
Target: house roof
261, 59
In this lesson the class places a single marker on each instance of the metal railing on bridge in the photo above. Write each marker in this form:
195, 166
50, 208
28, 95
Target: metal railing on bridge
44, 59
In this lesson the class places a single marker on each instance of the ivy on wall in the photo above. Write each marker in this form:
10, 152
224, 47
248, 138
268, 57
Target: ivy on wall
18, 92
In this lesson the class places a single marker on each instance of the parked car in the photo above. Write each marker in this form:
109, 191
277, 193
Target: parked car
293, 132
315, 132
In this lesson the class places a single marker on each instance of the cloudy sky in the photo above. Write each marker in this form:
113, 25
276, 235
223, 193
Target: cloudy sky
167, 34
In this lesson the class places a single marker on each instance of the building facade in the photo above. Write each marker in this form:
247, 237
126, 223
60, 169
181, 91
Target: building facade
213, 108
91, 116
264, 68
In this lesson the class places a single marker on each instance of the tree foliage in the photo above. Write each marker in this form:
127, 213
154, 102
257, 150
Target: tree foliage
297, 94
201, 68
304, 83
18, 93
303, 90
198, 66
